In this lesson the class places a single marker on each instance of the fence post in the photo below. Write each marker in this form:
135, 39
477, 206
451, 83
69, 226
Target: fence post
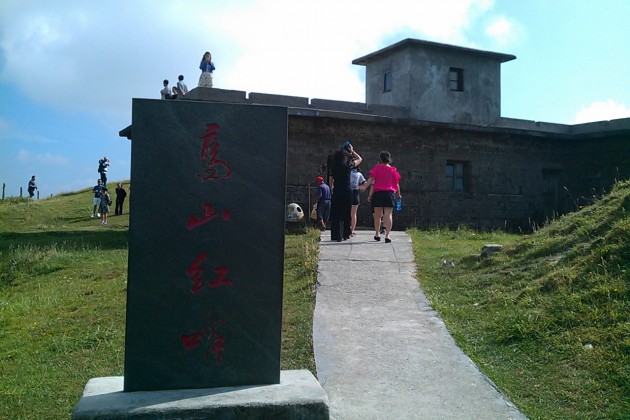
4, 186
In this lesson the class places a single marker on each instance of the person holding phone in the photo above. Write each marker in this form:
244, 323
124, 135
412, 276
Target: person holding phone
207, 67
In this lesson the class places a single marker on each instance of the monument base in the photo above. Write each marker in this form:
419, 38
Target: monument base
297, 396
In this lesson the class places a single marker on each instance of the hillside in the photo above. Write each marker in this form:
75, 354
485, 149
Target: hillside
548, 318
63, 286
62, 295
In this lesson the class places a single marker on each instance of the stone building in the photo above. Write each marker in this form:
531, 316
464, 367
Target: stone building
437, 109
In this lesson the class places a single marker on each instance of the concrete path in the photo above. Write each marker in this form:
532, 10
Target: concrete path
381, 351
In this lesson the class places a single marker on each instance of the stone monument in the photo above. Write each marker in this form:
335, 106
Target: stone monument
206, 262
206, 245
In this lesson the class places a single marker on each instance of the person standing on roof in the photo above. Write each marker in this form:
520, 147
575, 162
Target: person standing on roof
165, 93
182, 89
207, 67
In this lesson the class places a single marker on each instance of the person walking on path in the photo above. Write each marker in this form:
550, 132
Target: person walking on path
385, 188
121, 194
32, 187
207, 67
97, 190
343, 162
356, 180
323, 197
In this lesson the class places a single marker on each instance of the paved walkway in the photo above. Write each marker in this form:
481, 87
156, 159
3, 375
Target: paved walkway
381, 351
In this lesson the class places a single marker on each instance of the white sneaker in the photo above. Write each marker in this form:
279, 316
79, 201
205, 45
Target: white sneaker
98, 214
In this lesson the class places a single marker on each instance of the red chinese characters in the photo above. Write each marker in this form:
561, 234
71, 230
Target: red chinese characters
208, 214
214, 170
214, 340
195, 271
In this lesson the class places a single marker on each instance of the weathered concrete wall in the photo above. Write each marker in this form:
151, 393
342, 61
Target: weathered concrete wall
521, 172
593, 165
509, 184
420, 81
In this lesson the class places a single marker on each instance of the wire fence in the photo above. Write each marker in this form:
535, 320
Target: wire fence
21, 195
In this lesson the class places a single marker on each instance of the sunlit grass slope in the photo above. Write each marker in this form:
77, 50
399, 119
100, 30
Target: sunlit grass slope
548, 318
63, 280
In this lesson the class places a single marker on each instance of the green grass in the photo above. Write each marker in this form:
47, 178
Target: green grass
62, 302
548, 318
300, 276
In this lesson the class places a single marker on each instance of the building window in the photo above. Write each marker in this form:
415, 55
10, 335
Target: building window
456, 79
387, 81
456, 176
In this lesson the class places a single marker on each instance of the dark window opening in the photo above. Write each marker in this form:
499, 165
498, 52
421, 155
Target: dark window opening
456, 79
387, 81
456, 176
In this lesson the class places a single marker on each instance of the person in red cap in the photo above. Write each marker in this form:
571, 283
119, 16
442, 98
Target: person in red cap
323, 197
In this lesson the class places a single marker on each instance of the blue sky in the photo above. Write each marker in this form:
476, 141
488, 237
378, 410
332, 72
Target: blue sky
69, 69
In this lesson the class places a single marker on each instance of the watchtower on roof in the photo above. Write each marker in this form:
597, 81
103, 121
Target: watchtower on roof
436, 82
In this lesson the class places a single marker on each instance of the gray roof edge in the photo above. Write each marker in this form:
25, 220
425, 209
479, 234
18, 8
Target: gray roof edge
430, 44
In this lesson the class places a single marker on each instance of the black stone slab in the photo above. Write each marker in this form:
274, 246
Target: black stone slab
206, 245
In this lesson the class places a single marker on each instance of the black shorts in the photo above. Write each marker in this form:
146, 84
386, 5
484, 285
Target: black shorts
384, 199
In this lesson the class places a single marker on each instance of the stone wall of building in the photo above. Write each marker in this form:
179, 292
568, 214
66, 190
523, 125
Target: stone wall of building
521, 172
594, 165
514, 181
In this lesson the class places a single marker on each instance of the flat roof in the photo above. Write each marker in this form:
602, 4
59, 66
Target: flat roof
420, 44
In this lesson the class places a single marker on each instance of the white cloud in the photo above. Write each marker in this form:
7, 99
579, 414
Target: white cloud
306, 48
500, 29
95, 56
602, 111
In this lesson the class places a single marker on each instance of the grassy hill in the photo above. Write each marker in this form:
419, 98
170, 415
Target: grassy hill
548, 318
63, 279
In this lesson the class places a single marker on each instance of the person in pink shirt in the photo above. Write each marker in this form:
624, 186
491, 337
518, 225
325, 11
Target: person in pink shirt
385, 188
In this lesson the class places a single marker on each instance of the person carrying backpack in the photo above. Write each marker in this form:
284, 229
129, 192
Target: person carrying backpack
103, 165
